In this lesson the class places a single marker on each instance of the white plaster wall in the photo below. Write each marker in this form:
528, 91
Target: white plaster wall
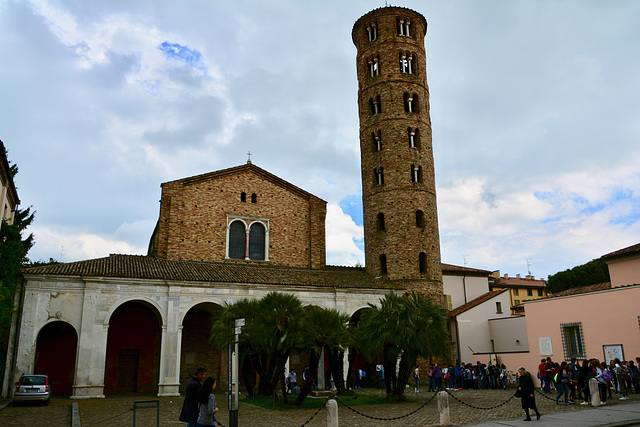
509, 334
456, 286
473, 327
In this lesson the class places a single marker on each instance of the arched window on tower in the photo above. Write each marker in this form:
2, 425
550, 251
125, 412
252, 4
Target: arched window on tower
374, 66
237, 240
410, 102
383, 264
422, 261
406, 63
374, 103
377, 140
404, 27
243, 197
256, 241
254, 198
379, 176
416, 173
372, 32
419, 219
414, 137
381, 226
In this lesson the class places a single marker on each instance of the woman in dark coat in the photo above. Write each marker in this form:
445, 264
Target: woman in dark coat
526, 389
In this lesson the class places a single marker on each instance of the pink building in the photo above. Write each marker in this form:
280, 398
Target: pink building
599, 321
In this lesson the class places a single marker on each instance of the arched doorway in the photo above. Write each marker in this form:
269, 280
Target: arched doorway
56, 348
133, 349
195, 349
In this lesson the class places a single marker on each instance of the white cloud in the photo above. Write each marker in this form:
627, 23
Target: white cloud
70, 245
344, 238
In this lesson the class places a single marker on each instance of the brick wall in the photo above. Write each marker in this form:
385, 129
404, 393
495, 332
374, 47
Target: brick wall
193, 217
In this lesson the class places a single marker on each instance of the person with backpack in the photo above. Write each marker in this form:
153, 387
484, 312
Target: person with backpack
634, 372
603, 376
622, 376
562, 382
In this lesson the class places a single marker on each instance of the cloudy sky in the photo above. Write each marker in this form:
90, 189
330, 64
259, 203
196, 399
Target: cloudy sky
535, 110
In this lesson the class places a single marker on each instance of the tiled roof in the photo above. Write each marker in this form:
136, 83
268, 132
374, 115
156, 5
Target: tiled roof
514, 282
457, 270
146, 267
631, 250
476, 302
577, 291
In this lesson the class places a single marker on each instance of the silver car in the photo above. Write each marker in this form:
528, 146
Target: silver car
32, 388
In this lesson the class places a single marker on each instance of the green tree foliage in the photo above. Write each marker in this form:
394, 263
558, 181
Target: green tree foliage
404, 327
323, 329
273, 329
13, 254
591, 273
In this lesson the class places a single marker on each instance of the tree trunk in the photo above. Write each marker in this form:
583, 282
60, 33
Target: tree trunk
248, 376
314, 360
403, 376
336, 369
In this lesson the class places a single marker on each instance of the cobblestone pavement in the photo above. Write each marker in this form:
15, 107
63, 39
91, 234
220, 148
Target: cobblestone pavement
118, 411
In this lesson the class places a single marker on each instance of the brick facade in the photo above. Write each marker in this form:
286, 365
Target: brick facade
195, 213
393, 101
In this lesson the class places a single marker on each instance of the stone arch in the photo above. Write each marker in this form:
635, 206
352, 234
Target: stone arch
55, 355
153, 305
195, 349
133, 347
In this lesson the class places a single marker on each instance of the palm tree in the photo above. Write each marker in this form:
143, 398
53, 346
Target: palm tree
278, 328
403, 327
221, 334
273, 327
323, 329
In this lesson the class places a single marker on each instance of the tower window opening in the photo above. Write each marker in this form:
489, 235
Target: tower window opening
422, 262
254, 198
414, 138
383, 264
377, 141
406, 63
379, 176
381, 226
374, 66
372, 32
374, 103
404, 28
243, 197
419, 219
411, 102
416, 173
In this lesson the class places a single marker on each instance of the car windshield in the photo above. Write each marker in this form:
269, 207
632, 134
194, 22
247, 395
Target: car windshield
33, 380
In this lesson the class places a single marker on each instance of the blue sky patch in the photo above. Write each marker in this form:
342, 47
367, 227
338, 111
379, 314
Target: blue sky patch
184, 53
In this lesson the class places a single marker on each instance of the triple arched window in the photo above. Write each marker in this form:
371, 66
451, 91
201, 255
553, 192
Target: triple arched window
247, 238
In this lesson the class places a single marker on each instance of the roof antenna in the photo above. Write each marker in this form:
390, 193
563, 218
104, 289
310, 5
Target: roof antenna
528, 267
249, 159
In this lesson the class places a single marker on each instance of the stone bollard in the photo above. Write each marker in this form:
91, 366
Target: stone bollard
443, 408
594, 390
332, 413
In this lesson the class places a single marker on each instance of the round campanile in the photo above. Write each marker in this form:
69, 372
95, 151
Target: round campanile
398, 183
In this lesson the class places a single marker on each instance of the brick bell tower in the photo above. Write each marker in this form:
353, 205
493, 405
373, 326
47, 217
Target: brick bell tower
402, 241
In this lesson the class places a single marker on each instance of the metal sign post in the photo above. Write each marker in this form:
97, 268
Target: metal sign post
234, 371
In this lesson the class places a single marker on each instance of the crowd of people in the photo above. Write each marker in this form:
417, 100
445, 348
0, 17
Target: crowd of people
465, 376
571, 379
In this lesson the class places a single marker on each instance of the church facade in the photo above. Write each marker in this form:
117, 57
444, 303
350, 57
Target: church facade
131, 323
